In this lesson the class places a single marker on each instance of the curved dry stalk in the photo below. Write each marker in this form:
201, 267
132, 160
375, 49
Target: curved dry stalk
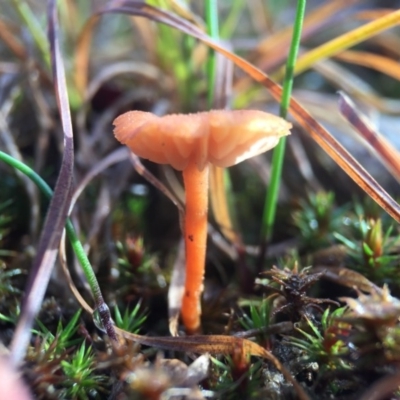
222, 92
219, 205
378, 145
347, 277
367, 59
115, 157
176, 289
64, 266
142, 171
355, 86
145, 70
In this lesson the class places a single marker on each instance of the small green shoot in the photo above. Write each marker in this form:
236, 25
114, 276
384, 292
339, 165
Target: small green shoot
174, 52
6, 285
234, 381
318, 218
374, 255
34, 26
326, 347
259, 317
12, 314
5, 219
63, 338
130, 321
82, 382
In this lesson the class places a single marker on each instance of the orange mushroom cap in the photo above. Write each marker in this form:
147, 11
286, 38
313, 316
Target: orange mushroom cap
221, 137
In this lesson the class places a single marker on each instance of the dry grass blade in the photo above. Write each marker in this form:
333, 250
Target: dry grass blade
378, 145
271, 48
355, 86
58, 209
269, 52
10, 40
64, 266
176, 289
373, 14
145, 70
348, 278
115, 157
379, 63
345, 41
143, 171
344, 159
219, 204
82, 56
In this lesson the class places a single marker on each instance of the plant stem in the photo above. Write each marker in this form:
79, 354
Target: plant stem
211, 14
100, 304
279, 152
219, 176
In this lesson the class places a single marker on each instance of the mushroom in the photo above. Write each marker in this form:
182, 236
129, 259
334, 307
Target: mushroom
189, 143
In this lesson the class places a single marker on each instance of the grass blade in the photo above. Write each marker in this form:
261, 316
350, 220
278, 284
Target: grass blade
279, 152
378, 145
345, 41
367, 59
58, 210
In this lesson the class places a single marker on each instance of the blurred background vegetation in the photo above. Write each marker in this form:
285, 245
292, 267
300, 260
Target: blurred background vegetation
131, 230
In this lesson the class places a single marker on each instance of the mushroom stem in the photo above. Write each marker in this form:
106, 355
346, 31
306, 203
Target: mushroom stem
196, 186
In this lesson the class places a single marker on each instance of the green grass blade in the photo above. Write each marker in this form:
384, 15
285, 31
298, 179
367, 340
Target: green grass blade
35, 28
211, 14
279, 152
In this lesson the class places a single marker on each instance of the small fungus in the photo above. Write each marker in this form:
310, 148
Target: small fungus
189, 143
